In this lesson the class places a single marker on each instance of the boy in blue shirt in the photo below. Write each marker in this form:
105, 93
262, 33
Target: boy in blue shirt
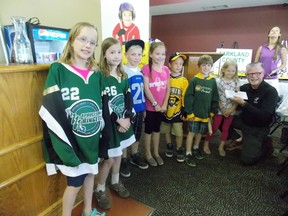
133, 53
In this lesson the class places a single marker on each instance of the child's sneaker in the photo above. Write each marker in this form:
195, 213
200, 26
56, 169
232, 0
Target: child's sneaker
222, 152
159, 160
138, 161
197, 154
206, 148
124, 168
103, 199
120, 190
180, 154
152, 162
190, 160
169, 150
94, 212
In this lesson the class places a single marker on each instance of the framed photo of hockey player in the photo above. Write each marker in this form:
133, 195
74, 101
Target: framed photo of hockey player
125, 20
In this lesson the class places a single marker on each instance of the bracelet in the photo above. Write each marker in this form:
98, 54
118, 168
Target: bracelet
154, 104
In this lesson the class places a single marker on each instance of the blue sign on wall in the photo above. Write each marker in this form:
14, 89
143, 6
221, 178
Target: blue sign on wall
50, 34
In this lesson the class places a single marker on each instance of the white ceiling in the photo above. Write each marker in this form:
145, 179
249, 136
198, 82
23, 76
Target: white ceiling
208, 5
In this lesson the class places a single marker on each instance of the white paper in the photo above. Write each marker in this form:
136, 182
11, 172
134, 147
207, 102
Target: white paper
231, 94
3, 46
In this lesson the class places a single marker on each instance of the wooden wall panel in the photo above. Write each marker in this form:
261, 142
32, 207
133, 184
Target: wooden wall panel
25, 188
16, 161
20, 98
32, 194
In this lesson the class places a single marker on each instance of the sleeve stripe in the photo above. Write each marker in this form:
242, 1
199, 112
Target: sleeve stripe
53, 125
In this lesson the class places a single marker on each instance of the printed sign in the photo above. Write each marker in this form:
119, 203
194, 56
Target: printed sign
241, 56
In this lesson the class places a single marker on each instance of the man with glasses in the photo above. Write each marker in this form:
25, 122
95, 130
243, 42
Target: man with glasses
255, 116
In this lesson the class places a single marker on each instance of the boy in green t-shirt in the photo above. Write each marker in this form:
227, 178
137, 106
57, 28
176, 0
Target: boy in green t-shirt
201, 103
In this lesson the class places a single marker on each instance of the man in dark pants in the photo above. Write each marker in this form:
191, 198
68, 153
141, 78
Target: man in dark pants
255, 116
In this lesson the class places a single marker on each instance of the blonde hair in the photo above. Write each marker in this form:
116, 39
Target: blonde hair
103, 65
227, 64
153, 46
68, 54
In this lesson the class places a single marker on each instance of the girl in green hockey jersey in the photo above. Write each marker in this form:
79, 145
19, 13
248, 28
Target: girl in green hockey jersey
120, 106
72, 114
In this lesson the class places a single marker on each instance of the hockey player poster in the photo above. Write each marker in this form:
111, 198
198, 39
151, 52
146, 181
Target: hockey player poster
126, 20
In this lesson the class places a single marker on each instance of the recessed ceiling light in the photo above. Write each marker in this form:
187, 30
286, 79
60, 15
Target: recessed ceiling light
215, 7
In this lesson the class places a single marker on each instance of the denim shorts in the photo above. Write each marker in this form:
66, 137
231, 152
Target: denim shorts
76, 181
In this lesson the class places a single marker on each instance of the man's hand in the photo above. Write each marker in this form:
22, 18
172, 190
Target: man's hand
238, 100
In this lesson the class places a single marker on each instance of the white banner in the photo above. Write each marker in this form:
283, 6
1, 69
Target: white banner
241, 56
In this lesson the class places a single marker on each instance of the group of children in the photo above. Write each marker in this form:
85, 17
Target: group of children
93, 113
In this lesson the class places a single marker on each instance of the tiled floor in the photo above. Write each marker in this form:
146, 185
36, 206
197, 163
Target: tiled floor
120, 207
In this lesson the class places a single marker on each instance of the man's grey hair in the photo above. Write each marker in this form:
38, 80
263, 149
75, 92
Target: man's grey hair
254, 64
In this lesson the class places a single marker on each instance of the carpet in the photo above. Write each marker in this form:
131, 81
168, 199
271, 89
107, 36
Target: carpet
216, 186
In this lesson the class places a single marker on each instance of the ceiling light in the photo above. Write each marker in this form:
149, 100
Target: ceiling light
215, 7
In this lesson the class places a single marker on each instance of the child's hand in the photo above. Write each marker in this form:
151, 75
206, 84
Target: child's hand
183, 114
221, 106
227, 112
157, 108
121, 129
163, 109
124, 124
190, 119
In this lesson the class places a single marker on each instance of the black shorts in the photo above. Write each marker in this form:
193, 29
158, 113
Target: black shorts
153, 122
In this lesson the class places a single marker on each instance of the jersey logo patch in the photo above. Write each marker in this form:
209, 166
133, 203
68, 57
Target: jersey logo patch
86, 118
117, 105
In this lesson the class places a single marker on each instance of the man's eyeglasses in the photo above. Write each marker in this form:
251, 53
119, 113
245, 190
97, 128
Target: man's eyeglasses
257, 74
84, 41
